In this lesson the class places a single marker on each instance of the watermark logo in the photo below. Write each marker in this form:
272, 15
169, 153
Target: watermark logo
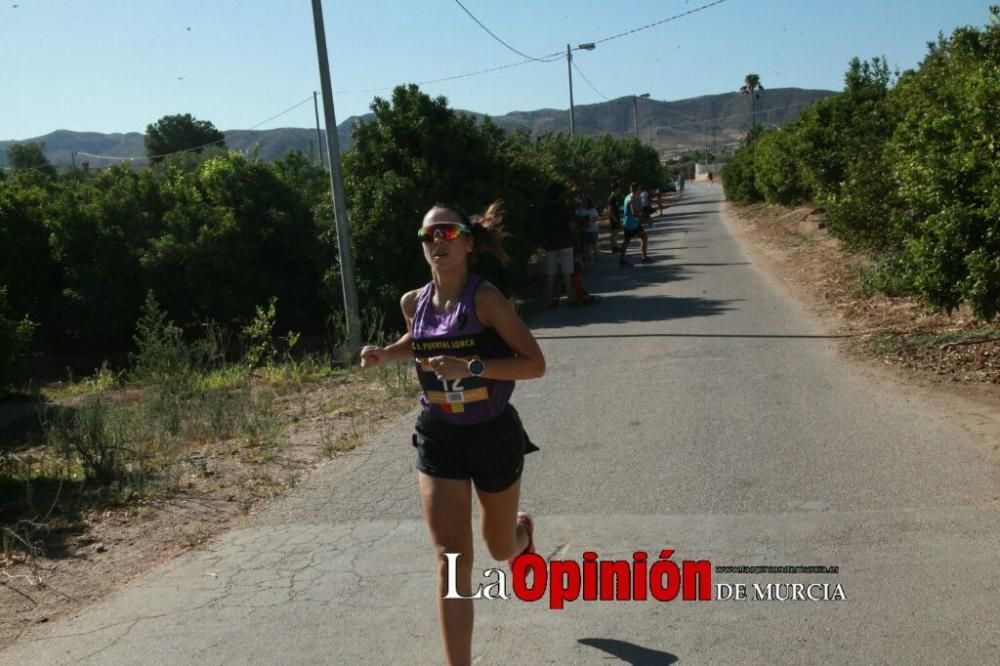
533, 578
564, 581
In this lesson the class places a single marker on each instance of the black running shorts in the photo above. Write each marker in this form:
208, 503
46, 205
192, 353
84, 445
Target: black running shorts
632, 233
491, 454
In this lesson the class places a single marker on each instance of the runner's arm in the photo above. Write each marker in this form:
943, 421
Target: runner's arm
495, 312
400, 350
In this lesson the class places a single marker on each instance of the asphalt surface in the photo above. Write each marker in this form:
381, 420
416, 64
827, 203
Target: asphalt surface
693, 408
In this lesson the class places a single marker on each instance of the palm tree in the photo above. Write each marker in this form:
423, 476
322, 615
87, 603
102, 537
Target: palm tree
751, 84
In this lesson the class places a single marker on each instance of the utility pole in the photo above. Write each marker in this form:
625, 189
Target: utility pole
569, 69
589, 46
635, 112
704, 131
319, 134
351, 311
635, 116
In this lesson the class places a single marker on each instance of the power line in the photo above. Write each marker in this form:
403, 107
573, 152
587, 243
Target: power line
493, 35
734, 115
551, 57
592, 86
673, 127
278, 115
176, 152
149, 157
660, 22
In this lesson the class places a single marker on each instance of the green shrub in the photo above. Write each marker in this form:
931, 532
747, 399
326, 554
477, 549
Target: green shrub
776, 165
162, 357
888, 274
945, 150
15, 337
738, 178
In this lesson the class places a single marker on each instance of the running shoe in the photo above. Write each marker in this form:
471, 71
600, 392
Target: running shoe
525, 519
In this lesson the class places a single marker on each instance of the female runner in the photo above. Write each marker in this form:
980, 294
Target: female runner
469, 346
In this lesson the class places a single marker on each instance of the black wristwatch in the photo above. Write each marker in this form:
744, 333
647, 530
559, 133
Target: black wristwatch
476, 367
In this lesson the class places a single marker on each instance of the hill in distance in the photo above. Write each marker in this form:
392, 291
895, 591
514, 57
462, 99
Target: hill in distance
671, 127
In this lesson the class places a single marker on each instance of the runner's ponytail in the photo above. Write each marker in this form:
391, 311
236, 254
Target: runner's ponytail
487, 229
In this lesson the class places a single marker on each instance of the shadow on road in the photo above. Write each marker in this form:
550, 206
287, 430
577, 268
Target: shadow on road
750, 336
670, 218
621, 308
735, 263
630, 652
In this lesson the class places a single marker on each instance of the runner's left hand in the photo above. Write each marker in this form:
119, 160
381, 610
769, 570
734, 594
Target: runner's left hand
449, 367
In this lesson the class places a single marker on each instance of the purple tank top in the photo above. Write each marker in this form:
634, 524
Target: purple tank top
458, 332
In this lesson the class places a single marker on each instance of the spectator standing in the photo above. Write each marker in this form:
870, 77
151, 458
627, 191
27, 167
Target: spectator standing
557, 235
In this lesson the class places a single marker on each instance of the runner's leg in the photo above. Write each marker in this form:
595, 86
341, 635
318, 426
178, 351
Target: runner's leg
498, 521
626, 239
566, 265
448, 510
551, 266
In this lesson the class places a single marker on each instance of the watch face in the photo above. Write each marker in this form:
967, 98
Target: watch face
476, 367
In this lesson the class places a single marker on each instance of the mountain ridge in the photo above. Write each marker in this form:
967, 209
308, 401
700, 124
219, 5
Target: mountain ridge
670, 126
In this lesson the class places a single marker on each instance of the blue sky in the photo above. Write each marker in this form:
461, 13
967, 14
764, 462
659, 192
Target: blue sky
117, 65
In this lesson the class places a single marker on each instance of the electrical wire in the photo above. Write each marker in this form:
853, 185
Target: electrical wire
278, 115
450, 78
177, 152
493, 35
592, 86
734, 115
551, 57
660, 22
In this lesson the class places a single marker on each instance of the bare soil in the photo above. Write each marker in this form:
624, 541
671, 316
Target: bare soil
949, 360
220, 485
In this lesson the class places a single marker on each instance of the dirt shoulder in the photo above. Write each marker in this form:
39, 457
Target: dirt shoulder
85, 552
950, 361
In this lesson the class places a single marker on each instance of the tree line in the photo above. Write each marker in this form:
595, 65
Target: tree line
906, 166
214, 234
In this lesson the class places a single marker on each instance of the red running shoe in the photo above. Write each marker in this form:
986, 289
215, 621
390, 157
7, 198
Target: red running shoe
525, 519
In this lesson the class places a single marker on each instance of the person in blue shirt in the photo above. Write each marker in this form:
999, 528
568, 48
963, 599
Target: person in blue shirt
631, 227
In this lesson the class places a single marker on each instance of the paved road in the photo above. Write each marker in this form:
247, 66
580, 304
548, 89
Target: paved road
694, 408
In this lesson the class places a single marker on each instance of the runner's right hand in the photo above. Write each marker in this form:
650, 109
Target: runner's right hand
372, 356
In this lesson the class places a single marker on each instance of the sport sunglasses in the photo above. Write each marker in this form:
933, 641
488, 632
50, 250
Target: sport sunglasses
448, 232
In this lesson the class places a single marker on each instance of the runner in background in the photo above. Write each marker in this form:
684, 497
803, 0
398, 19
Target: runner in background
632, 227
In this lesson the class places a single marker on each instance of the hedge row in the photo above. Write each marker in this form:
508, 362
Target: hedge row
907, 167
216, 235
